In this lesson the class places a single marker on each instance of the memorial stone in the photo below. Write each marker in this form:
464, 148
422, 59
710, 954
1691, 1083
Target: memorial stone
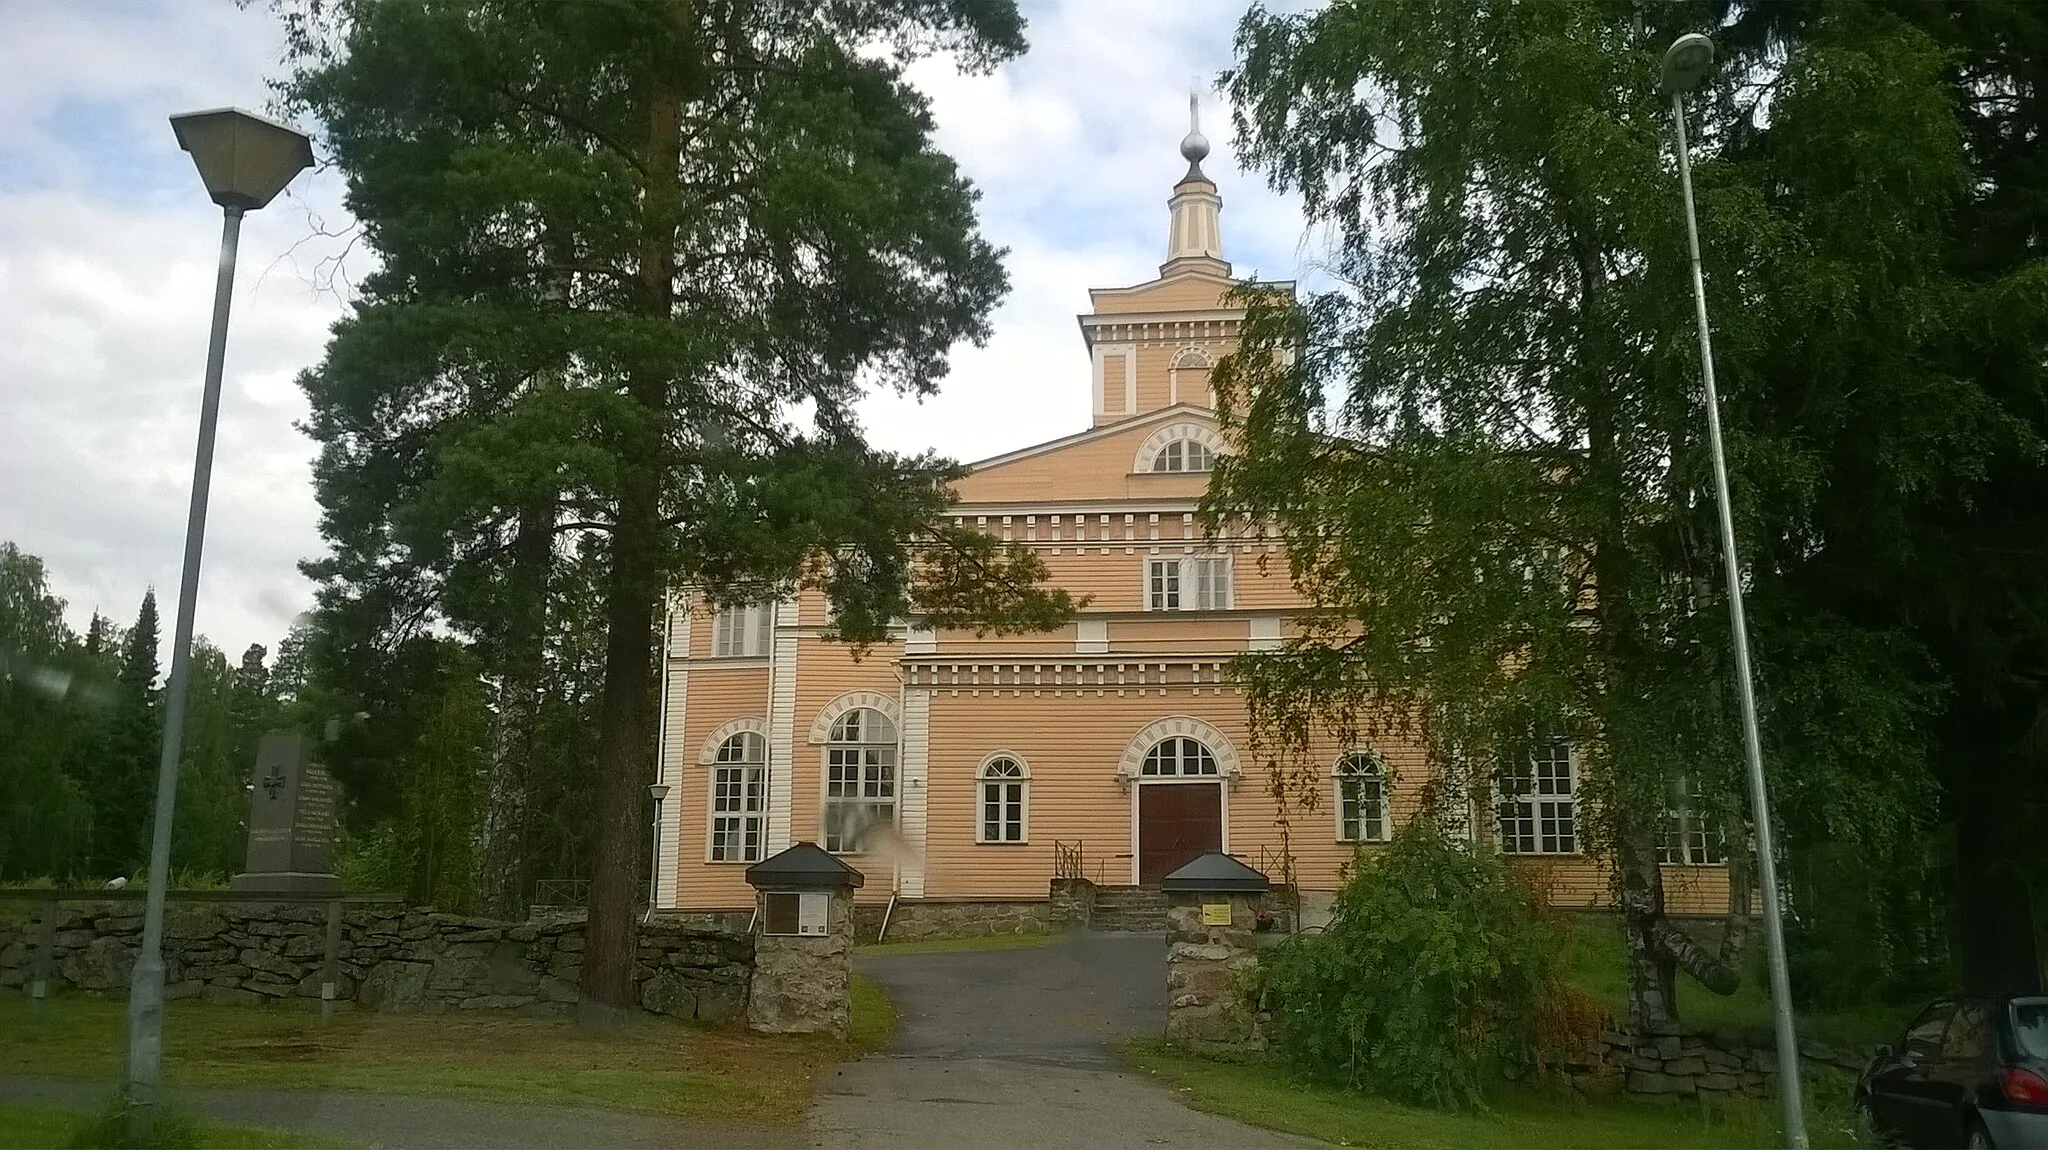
291, 822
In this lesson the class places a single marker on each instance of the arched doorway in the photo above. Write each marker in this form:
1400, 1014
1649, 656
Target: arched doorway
1180, 806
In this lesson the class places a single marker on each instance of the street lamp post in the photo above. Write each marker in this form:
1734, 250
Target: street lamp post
1685, 64
660, 792
245, 160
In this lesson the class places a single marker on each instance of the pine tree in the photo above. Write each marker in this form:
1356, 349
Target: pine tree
621, 245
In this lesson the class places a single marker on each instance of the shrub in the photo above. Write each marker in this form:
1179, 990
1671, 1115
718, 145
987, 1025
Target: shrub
1434, 973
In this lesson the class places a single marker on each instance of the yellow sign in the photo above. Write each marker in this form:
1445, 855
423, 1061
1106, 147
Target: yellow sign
1215, 914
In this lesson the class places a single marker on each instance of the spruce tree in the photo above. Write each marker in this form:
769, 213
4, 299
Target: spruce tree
123, 789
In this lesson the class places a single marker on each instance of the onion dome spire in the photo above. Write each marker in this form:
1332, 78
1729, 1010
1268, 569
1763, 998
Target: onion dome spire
1194, 146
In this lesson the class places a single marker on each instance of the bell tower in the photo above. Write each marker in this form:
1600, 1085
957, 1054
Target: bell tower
1153, 344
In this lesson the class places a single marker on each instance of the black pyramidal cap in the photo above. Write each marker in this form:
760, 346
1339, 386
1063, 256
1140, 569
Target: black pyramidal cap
803, 865
1216, 873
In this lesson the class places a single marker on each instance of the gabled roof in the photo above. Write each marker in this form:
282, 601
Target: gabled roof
1163, 415
803, 865
1216, 873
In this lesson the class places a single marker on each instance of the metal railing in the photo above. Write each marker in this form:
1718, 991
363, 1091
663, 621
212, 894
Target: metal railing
1068, 860
562, 892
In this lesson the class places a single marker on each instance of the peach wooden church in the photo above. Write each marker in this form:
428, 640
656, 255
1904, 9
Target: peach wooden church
956, 770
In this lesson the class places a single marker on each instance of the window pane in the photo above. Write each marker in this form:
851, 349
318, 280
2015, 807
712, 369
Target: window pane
2030, 1025
1158, 760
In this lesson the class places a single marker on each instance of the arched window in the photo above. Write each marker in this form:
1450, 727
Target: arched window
1005, 781
739, 798
1184, 455
1178, 757
1361, 798
860, 779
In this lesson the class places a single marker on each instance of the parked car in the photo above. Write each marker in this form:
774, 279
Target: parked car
1969, 1072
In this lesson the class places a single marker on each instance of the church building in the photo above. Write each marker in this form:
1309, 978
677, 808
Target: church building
952, 769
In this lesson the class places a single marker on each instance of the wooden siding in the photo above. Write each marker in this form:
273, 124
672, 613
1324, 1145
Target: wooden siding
1098, 468
825, 671
1197, 292
717, 695
1158, 664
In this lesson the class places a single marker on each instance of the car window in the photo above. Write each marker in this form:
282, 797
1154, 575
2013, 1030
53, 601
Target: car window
1924, 1036
2030, 1024
1966, 1033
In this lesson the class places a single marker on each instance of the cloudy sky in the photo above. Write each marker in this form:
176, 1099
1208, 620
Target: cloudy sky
107, 250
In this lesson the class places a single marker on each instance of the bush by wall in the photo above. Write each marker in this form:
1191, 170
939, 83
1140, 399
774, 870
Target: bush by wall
1430, 979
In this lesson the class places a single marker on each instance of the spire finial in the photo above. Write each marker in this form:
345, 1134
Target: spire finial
1195, 145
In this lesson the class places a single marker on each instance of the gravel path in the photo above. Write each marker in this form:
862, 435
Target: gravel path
1011, 1049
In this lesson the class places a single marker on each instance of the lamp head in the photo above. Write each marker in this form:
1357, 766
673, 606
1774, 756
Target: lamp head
245, 159
1686, 63
658, 790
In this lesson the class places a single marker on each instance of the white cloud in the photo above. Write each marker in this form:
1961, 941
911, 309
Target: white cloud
107, 258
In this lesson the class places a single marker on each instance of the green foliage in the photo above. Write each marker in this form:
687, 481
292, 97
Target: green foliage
412, 769
637, 261
1485, 448
1428, 981
80, 740
1869, 931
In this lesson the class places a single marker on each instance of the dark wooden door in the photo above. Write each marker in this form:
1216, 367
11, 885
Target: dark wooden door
1176, 822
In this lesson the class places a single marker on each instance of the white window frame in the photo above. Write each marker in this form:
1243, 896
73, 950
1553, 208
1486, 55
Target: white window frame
861, 774
1185, 757
746, 631
1003, 785
1189, 583
1691, 836
741, 763
1184, 457
1537, 811
1354, 772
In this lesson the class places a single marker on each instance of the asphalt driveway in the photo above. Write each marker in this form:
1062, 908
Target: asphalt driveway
1012, 1048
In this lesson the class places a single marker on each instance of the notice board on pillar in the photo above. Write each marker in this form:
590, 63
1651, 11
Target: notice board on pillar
806, 914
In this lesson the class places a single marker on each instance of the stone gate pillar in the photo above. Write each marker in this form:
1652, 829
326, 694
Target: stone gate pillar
1211, 912
803, 943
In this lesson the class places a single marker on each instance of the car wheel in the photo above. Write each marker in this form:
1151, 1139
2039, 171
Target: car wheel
1978, 1138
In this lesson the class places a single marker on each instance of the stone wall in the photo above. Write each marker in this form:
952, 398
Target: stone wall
1071, 903
1685, 1062
389, 957
1210, 970
915, 920
804, 984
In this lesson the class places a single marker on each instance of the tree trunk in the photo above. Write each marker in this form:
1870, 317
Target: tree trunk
1739, 925
1652, 985
503, 865
2000, 950
626, 735
625, 739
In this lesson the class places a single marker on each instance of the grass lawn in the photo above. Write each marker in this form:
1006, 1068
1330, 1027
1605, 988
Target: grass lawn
1597, 968
715, 1073
945, 945
40, 1128
1527, 1118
